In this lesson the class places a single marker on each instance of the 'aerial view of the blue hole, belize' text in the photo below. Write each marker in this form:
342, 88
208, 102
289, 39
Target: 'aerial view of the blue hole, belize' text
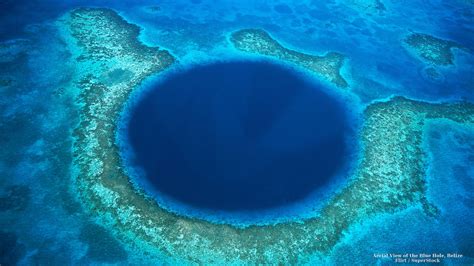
237, 132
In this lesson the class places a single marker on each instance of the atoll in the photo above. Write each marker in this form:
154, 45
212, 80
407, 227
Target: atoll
260, 42
390, 176
431, 49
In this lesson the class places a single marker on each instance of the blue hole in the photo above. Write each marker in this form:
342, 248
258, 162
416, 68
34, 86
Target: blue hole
238, 136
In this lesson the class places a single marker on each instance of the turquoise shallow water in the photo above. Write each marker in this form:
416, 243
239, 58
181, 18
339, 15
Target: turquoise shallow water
42, 218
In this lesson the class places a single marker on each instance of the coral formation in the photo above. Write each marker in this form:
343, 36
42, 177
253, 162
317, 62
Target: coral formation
431, 49
260, 42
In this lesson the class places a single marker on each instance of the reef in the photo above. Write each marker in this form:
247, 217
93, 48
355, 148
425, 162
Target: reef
260, 42
390, 176
431, 49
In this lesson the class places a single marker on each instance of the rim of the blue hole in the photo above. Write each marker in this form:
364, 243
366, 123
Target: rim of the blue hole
241, 219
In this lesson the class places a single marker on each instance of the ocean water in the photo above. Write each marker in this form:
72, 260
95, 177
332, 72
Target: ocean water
43, 220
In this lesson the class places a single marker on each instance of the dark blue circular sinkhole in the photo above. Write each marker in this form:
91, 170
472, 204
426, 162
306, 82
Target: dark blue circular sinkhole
238, 136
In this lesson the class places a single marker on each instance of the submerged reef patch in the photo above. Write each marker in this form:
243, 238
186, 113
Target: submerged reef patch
260, 42
390, 176
431, 49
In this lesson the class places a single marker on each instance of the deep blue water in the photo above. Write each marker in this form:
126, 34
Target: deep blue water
238, 136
